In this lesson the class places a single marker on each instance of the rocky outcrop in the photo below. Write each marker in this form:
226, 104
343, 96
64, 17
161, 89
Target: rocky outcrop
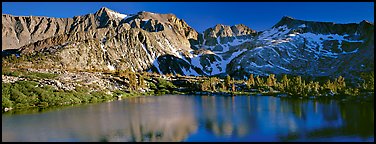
135, 49
222, 34
11, 79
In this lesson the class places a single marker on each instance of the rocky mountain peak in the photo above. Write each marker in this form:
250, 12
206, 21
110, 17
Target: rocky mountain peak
221, 30
104, 9
288, 21
241, 29
303, 26
105, 17
219, 26
287, 18
108, 13
366, 22
155, 22
144, 16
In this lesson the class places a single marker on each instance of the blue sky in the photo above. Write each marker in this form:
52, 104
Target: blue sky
201, 15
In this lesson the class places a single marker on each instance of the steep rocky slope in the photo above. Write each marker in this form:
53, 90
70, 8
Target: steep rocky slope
18, 31
309, 48
163, 43
291, 47
108, 40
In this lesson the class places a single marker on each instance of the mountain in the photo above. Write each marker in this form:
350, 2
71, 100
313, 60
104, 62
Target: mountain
309, 48
291, 46
104, 40
163, 43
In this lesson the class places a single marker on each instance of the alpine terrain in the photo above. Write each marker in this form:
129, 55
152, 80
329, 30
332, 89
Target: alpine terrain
163, 43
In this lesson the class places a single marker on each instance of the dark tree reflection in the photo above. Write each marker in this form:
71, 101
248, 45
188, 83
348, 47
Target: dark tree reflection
197, 118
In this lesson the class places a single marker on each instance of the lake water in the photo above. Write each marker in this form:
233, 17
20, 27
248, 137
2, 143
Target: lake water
196, 118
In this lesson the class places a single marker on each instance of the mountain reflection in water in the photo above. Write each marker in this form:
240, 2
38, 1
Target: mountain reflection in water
196, 118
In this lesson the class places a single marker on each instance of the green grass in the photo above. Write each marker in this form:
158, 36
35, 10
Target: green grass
28, 74
41, 75
25, 94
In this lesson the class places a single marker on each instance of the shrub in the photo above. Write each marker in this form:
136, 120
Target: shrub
162, 92
152, 86
162, 83
6, 102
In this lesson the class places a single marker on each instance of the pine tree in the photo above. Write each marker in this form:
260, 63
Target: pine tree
205, 85
213, 83
222, 87
259, 81
250, 81
228, 82
313, 88
271, 80
233, 85
285, 83
132, 81
296, 86
368, 81
341, 83
141, 81
331, 86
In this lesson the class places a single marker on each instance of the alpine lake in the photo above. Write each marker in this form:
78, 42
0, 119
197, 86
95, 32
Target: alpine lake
193, 118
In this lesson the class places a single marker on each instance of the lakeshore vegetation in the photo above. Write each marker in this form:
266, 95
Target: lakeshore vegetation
29, 92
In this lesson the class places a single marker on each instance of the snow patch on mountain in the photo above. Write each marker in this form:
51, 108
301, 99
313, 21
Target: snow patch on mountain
195, 61
302, 26
190, 72
224, 62
172, 49
118, 15
274, 33
156, 65
110, 67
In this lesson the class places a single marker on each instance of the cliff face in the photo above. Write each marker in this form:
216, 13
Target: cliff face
18, 31
104, 40
163, 43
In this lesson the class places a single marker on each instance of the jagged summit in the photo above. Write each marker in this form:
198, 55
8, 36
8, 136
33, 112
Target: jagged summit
318, 26
229, 31
289, 21
163, 18
293, 22
368, 22
224, 25
106, 12
288, 18
105, 9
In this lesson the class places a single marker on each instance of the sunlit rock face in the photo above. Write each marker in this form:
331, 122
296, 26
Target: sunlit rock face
105, 40
163, 43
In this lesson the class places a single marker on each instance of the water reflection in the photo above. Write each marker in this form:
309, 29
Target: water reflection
328, 120
197, 118
137, 119
272, 119
226, 116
